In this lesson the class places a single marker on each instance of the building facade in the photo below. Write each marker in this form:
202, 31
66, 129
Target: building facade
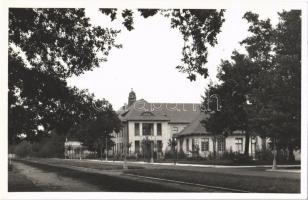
151, 126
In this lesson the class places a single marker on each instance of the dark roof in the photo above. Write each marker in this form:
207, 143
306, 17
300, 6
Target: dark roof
195, 128
172, 112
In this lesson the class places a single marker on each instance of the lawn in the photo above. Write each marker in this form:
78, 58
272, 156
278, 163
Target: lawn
248, 183
227, 162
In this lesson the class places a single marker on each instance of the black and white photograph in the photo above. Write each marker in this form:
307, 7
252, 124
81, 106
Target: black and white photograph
151, 101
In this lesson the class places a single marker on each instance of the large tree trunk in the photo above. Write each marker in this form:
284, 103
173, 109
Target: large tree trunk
101, 152
246, 151
291, 156
214, 146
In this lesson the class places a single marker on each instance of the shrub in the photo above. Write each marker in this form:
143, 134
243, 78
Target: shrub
117, 156
196, 158
23, 149
131, 157
264, 155
169, 154
181, 154
241, 158
52, 146
228, 155
210, 156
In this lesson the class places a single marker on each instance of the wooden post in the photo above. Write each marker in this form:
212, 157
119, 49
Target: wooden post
275, 154
106, 149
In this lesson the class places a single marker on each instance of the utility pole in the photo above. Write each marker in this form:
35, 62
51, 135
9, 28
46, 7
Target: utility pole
106, 149
151, 160
275, 154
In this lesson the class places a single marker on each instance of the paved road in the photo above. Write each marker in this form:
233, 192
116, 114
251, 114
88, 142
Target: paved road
57, 177
50, 181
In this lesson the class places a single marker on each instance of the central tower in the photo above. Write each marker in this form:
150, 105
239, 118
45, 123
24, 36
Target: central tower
131, 97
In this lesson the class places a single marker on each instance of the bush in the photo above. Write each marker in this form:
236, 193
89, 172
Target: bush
242, 158
264, 155
52, 146
228, 155
170, 154
210, 156
196, 158
181, 154
23, 149
131, 157
117, 156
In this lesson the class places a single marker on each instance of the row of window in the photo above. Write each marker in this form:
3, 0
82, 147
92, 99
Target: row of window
204, 144
158, 146
220, 144
148, 129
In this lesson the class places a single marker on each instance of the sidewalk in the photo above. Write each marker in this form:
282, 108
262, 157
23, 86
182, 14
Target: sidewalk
298, 171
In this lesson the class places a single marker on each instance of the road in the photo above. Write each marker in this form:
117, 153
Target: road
87, 175
50, 181
77, 179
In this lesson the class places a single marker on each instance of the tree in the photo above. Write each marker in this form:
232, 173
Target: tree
279, 93
172, 143
238, 80
269, 78
45, 47
94, 132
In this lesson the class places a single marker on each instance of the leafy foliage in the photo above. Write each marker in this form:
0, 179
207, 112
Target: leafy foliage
46, 46
128, 19
60, 42
261, 91
94, 132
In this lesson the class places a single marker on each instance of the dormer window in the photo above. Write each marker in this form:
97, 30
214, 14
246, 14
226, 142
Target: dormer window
147, 114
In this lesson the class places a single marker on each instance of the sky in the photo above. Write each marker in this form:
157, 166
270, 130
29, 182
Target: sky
149, 56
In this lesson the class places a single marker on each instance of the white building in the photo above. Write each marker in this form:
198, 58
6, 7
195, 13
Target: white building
157, 123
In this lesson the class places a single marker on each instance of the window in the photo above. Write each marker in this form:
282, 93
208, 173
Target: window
159, 131
205, 144
121, 148
159, 146
147, 129
137, 146
137, 130
221, 144
195, 144
175, 129
187, 144
239, 144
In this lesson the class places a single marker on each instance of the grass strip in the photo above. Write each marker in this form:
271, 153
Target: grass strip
249, 183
